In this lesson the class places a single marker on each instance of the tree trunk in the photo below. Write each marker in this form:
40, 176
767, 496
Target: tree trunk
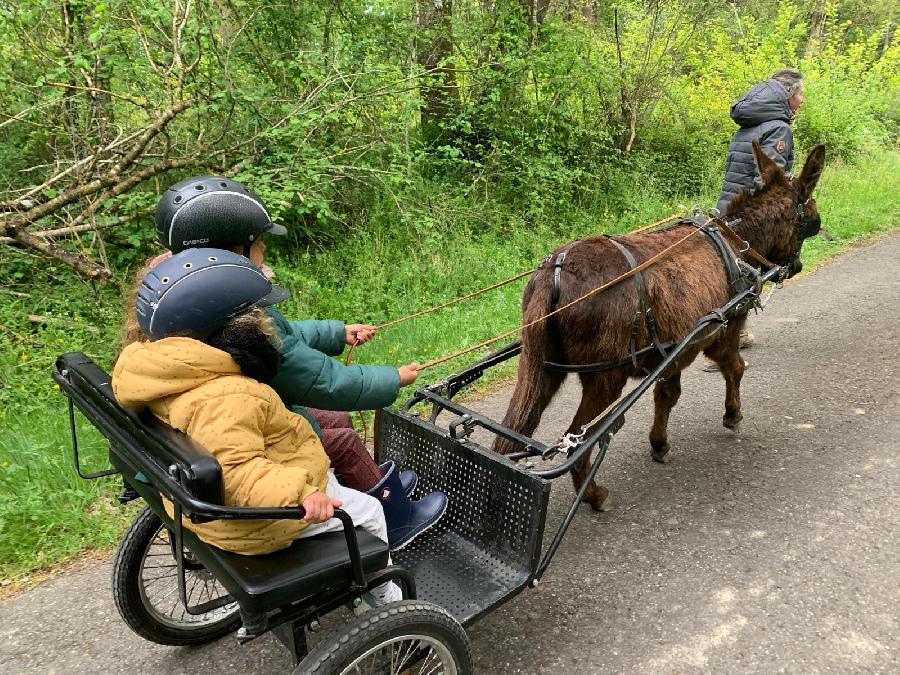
816, 30
434, 47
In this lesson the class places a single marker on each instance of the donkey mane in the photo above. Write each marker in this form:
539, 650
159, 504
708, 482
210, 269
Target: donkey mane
757, 212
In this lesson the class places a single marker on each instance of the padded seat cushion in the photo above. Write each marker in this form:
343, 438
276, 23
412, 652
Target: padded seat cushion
270, 581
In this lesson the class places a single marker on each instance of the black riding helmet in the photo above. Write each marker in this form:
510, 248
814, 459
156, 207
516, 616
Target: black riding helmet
197, 291
211, 211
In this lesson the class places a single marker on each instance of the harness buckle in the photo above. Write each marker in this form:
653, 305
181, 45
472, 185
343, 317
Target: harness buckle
568, 443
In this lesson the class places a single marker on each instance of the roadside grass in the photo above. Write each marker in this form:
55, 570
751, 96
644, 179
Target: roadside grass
380, 272
857, 203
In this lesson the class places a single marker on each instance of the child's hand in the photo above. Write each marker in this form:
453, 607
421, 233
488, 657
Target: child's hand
320, 507
357, 333
408, 374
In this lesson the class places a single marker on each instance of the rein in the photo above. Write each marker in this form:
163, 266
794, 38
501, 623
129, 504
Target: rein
742, 247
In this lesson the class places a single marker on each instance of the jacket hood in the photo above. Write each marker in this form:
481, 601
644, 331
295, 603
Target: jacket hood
148, 371
766, 101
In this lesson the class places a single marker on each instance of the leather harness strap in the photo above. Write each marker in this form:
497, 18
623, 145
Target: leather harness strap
736, 279
557, 271
645, 308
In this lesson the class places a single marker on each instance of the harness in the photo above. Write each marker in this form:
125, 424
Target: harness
740, 275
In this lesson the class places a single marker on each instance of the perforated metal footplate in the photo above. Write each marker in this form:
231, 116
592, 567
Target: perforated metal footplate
486, 546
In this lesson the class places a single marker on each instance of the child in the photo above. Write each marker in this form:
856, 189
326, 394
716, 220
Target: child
211, 348
218, 212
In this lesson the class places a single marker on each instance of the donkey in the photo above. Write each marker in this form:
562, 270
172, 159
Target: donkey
681, 288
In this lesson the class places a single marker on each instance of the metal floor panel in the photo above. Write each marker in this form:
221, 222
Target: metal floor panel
485, 548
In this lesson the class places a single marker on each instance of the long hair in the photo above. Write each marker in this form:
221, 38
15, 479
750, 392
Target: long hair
131, 330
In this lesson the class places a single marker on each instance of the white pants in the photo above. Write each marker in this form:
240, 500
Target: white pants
366, 513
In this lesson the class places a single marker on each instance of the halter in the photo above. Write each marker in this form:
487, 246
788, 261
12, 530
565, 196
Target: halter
805, 227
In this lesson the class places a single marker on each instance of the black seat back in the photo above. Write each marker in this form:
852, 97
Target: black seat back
139, 438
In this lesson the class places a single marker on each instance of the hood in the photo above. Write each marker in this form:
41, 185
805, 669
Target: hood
766, 101
148, 371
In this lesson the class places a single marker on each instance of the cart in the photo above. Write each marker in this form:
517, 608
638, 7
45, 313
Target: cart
173, 589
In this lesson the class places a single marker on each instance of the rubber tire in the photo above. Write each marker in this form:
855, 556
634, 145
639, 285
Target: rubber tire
381, 623
127, 595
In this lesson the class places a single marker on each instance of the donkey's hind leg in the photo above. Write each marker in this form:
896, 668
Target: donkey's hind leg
598, 391
665, 396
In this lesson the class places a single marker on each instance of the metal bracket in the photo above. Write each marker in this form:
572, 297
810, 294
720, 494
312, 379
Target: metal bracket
462, 427
86, 476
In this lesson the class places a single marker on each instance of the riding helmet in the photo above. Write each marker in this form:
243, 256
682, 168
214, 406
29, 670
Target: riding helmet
197, 291
211, 211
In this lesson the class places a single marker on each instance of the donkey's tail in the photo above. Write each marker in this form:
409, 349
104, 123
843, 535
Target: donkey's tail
534, 386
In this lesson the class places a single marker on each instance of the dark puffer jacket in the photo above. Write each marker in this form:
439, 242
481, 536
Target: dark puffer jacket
764, 115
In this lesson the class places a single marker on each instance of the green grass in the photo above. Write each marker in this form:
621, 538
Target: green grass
380, 272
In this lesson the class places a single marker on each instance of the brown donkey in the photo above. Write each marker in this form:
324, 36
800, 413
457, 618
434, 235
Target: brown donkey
682, 287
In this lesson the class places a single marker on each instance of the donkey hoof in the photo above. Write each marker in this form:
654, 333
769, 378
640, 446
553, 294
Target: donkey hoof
661, 455
600, 502
601, 505
733, 423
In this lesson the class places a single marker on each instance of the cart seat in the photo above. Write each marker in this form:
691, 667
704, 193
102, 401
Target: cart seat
259, 583
262, 583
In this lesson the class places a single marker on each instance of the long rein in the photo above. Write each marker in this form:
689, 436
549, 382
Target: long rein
742, 247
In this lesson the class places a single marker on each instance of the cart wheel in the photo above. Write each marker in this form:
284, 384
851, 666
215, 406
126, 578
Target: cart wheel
145, 588
409, 636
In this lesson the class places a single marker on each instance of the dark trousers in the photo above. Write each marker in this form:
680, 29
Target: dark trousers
352, 464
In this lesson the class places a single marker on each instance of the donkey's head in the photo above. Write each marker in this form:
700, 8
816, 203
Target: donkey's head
789, 205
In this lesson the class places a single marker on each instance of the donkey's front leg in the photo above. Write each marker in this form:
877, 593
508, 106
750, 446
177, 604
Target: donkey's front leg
726, 352
665, 396
732, 367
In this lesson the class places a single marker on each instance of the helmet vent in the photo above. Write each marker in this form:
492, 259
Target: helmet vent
178, 199
223, 184
188, 266
199, 187
165, 280
212, 258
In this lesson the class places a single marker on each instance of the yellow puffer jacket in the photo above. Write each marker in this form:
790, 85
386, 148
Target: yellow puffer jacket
269, 455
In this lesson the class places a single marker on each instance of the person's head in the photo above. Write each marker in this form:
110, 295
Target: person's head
792, 81
214, 212
217, 297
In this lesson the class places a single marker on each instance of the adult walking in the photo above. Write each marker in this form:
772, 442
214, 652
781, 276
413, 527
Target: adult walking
764, 114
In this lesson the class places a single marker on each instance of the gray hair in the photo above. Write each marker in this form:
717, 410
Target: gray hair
789, 79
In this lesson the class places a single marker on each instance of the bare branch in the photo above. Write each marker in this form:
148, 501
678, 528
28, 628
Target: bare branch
60, 232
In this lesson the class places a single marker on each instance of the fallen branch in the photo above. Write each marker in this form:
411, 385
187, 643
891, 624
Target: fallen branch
72, 229
82, 264
44, 320
108, 179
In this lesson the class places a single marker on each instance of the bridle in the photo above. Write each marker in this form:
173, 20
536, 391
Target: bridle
805, 227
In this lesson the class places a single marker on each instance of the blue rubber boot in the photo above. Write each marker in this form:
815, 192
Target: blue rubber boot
408, 479
406, 519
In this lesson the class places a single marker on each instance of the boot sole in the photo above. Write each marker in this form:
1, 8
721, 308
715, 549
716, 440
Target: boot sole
422, 531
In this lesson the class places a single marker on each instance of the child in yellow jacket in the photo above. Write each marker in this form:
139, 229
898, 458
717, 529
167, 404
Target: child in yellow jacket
203, 372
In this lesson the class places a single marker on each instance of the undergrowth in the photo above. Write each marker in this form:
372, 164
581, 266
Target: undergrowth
377, 273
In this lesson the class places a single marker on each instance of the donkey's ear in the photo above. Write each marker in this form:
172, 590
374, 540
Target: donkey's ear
768, 169
812, 170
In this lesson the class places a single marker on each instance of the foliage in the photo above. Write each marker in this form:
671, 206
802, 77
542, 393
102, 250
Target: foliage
412, 155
